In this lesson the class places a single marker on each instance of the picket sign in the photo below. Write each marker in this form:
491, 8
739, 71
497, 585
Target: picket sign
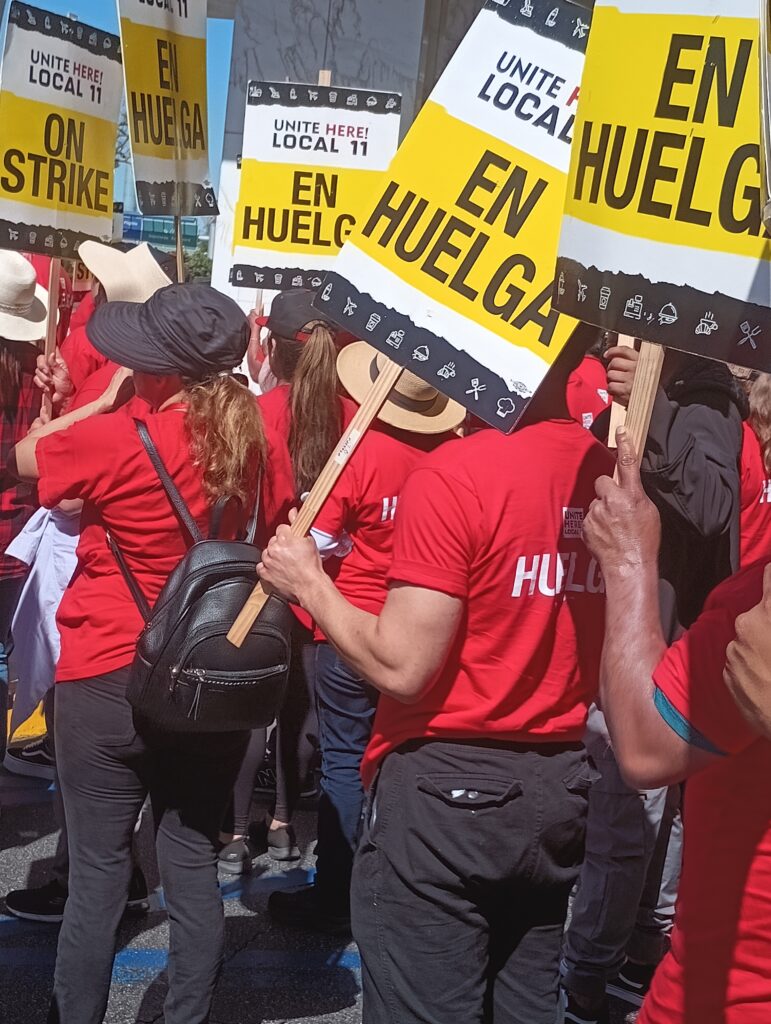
54, 276
618, 413
360, 424
180, 249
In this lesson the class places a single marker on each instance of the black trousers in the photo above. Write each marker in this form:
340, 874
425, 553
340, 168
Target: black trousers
107, 765
462, 878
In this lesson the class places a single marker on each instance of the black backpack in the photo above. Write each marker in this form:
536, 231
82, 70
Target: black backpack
186, 675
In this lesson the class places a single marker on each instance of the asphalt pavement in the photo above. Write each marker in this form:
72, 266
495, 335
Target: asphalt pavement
271, 975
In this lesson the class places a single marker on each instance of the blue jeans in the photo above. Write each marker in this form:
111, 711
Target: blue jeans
346, 710
625, 904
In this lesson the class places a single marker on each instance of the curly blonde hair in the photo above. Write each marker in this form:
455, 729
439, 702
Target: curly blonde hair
227, 438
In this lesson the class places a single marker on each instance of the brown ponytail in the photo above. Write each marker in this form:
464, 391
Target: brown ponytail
760, 415
10, 373
316, 413
226, 435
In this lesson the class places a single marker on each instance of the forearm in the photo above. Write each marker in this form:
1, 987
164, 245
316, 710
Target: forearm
634, 646
23, 459
359, 638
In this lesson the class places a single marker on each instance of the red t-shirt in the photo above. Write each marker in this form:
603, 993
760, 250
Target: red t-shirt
102, 461
279, 493
719, 968
362, 507
83, 312
755, 521
81, 357
587, 391
497, 521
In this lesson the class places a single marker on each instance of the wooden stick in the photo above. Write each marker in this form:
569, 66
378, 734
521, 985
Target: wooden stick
180, 250
646, 383
54, 277
370, 407
618, 413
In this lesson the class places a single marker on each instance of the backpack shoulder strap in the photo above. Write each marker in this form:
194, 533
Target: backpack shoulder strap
218, 513
251, 530
176, 499
131, 581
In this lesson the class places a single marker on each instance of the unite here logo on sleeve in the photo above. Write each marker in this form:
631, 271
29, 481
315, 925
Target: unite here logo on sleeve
572, 523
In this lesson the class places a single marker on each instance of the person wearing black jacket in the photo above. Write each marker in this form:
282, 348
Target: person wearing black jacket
690, 469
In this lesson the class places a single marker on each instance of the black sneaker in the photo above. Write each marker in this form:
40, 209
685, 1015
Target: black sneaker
47, 902
34, 759
632, 983
302, 908
280, 843
579, 1013
237, 857
43, 904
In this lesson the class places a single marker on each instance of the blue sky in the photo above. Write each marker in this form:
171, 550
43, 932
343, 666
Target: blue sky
103, 14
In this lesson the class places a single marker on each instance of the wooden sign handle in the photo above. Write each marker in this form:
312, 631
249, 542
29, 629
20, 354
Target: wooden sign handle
52, 324
646, 383
181, 272
618, 413
360, 424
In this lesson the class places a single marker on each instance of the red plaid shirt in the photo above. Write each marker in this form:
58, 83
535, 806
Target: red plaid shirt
17, 500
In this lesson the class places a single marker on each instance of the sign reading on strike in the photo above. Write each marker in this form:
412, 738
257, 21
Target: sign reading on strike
164, 58
312, 159
663, 236
60, 95
451, 273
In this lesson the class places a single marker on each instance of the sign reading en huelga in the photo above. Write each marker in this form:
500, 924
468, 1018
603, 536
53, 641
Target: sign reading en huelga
164, 59
452, 272
663, 236
312, 159
60, 94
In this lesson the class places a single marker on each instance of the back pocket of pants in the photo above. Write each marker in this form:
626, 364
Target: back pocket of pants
472, 792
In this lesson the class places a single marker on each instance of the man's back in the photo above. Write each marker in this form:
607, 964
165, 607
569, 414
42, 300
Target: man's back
497, 521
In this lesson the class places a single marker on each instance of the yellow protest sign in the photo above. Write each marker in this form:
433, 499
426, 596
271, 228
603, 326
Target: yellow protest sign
311, 161
164, 58
663, 235
451, 274
59, 104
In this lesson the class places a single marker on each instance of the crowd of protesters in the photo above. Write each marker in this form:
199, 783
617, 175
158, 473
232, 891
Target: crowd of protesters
530, 671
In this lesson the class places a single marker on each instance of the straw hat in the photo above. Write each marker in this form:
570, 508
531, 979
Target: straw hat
23, 302
413, 405
133, 276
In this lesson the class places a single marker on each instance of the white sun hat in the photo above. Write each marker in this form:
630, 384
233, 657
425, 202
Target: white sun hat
133, 276
23, 302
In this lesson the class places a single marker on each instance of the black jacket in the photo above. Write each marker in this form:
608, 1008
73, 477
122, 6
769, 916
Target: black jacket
691, 471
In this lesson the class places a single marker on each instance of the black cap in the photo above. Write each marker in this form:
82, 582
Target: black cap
292, 311
187, 329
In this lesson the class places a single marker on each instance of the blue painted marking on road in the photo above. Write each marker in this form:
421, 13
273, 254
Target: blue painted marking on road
267, 968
